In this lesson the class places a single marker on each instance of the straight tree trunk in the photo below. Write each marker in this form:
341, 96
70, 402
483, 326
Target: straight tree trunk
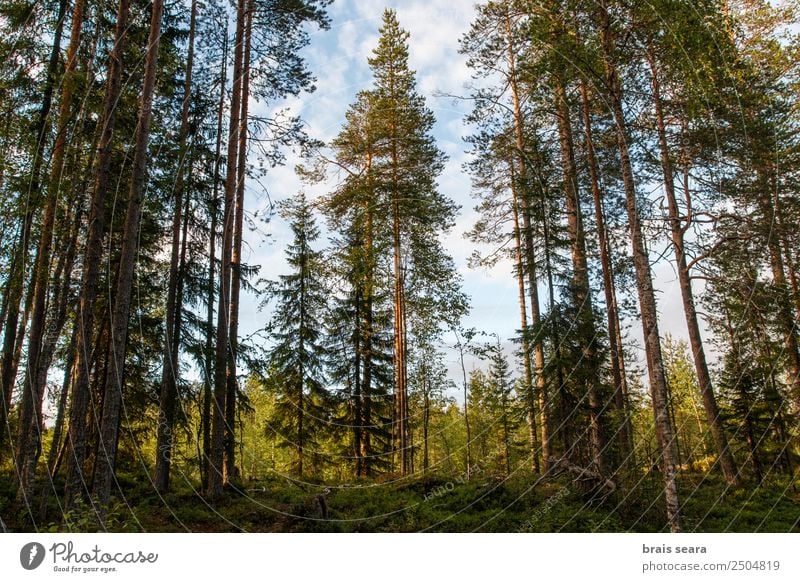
216, 470
677, 230
114, 382
80, 394
517, 203
13, 291
399, 346
212, 248
644, 281
580, 276
460, 346
616, 356
236, 258
30, 429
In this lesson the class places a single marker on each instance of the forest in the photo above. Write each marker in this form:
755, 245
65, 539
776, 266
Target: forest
155, 378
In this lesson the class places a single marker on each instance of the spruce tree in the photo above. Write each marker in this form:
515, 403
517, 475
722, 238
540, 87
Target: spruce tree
296, 362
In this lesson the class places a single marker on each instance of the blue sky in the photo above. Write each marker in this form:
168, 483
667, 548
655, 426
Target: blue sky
338, 58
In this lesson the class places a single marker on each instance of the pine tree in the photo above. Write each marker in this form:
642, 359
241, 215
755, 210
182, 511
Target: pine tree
405, 170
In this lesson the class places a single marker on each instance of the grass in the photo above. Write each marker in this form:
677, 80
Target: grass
436, 503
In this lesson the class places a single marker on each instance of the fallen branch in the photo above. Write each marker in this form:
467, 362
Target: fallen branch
584, 475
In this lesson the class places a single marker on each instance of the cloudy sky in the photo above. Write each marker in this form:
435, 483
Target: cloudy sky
338, 58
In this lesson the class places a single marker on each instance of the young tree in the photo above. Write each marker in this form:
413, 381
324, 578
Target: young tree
296, 362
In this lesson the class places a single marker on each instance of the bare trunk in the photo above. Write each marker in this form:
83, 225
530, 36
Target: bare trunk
580, 277
460, 346
13, 291
400, 349
236, 259
114, 382
426, 417
644, 282
615, 344
677, 229
80, 394
216, 469
212, 248
519, 200
30, 426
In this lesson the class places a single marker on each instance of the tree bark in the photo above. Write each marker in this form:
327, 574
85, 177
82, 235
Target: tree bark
616, 355
236, 258
13, 291
212, 247
79, 398
677, 229
518, 201
644, 281
460, 346
580, 276
114, 381
216, 470
30, 428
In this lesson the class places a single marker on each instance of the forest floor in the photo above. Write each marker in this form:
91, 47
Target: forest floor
429, 503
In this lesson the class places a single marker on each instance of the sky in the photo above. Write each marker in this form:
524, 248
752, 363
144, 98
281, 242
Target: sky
338, 59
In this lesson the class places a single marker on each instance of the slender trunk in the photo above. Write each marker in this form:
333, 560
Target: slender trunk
399, 347
460, 346
616, 356
212, 248
426, 417
677, 230
562, 429
170, 364
13, 291
80, 394
58, 429
644, 282
30, 426
216, 470
236, 259
526, 347
366, 384
114, 382
580, 277
518, 201
356, 387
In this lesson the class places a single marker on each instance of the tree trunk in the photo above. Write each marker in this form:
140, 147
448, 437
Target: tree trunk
79, 399
615, 345
677, 230
13, 291
519, 199
216, 469
460, 346
399, 345
30, 426
114, 382
236, 259
644, 281
580, 276
212, 247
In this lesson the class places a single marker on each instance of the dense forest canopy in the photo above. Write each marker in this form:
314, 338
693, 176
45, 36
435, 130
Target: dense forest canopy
626, 169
